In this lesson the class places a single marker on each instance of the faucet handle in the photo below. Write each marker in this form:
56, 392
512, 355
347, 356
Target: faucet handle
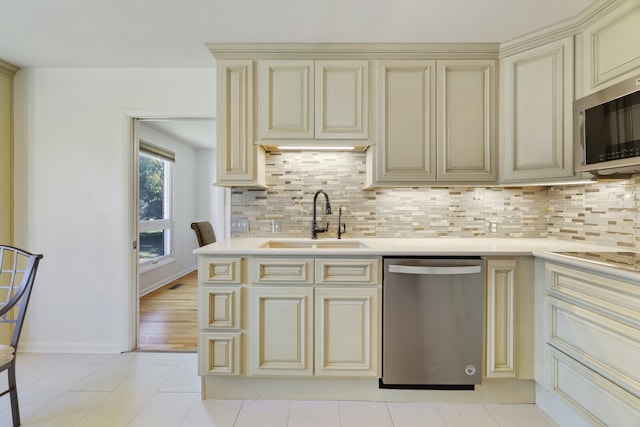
342, 230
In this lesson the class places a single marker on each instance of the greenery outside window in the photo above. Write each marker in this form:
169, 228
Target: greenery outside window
155, 204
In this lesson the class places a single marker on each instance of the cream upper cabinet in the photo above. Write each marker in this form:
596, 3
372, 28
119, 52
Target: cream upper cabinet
342, 99
406, 149
285, 99
536, 113
466, 114
240, 162
436, 122
313, 100
610, 48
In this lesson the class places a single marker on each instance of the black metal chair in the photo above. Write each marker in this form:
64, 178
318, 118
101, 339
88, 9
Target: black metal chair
204, 232
17, 274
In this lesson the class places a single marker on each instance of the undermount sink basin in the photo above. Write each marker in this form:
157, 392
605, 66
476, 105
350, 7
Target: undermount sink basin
335, 244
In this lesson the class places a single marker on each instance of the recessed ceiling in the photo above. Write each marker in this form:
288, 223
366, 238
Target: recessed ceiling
170, 33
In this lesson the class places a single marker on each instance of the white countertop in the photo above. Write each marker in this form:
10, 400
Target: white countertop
400, 246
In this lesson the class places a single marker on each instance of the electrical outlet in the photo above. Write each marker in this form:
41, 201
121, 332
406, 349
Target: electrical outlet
493, 226
240, 225
276, 226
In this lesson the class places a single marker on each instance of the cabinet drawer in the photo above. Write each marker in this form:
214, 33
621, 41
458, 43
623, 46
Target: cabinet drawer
348, 271
219, 353
600, 401
610, 297
606, 346
220, 270
282, 271
220, 307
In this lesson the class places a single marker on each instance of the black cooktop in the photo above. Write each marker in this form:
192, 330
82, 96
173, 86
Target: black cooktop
629, 261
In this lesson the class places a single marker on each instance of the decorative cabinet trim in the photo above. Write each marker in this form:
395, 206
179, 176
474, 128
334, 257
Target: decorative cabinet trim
500, 322
281, 331
220, 307
219, 353
346, 324
220, 270
347, 271
282, 271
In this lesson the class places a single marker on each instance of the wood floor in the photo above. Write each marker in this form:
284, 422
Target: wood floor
169, 316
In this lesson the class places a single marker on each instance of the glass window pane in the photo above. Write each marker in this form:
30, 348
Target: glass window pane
152, 188
153, 244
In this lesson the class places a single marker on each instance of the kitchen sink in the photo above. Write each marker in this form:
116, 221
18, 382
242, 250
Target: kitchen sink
304, 244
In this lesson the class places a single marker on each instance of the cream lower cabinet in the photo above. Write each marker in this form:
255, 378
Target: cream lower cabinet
281, 330
346, 338
500, 295
220, 316
298, 328
591, 327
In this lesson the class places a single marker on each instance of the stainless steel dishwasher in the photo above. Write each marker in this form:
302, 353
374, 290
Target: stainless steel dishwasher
432, 323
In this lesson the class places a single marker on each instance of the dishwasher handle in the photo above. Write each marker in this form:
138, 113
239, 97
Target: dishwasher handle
431, 270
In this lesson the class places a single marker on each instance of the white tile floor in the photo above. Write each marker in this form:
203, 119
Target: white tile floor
163, 390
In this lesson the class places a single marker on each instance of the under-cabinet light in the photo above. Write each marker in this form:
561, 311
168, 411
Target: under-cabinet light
310, 147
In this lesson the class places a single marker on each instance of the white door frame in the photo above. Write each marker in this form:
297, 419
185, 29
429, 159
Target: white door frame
132, 117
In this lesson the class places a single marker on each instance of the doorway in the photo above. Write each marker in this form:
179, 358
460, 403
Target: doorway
174, 171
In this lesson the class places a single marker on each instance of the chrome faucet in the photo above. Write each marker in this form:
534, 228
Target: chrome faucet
314, 225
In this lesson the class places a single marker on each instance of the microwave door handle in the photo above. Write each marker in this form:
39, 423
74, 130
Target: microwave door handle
434, 270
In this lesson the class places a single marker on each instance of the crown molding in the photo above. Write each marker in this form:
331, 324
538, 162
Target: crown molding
354, 50
568, 27
7, 69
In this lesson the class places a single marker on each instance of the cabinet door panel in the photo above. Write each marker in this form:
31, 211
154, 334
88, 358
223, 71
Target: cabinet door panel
219, 353
466, 120
238, 159
501, 302
285, 99
346, 323
281, 332
220, 307
537, 113
341, 100
406, 151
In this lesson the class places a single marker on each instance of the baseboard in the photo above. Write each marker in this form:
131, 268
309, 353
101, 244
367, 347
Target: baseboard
27, 347
165, 281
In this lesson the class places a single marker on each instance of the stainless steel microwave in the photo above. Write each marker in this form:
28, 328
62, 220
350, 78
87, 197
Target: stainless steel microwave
607, 129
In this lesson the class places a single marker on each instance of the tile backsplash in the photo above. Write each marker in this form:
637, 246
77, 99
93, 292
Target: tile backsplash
605, 212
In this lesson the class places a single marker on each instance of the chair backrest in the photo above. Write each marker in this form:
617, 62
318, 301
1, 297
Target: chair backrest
17, 274
204, 232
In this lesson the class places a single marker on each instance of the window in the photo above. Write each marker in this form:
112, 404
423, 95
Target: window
155, 207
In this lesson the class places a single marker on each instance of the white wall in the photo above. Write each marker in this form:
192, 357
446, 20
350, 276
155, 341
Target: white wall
210, 200
74, 166
184, 190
